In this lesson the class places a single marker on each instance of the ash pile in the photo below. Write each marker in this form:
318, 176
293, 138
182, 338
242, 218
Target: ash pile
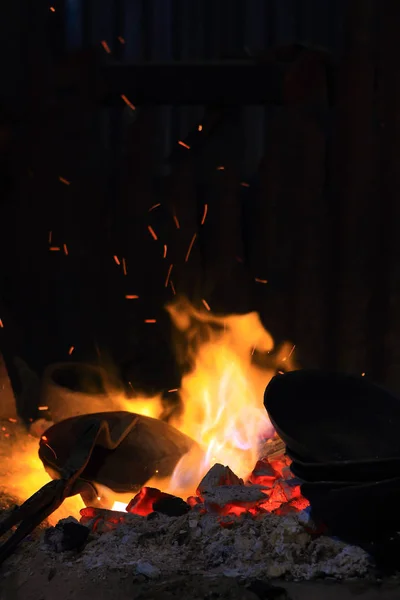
229, 528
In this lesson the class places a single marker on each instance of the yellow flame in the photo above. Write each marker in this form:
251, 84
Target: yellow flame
222, 396
22, 473
222, 399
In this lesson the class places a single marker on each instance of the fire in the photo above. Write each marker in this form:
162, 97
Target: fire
221, 396
22, 472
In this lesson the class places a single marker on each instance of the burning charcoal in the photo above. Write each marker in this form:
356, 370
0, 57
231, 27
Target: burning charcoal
146, 500
101, 520
234, 499
273, 448
280, 465
89, 513
263, 474
67, 535
218, 475
291, 488
194, 501
287, 473
276, 498
172, 506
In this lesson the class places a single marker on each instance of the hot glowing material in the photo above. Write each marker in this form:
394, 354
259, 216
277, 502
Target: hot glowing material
222, 410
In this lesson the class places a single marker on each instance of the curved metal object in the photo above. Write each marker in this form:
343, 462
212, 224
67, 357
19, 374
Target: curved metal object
342, 433
129, 451
119, 450
324, 417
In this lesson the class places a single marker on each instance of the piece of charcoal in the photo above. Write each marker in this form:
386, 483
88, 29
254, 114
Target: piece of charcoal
145, 502
226, 498
172, 506
216, 476
263, 474
67, 535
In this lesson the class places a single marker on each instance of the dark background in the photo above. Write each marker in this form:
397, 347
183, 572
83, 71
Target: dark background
317, 218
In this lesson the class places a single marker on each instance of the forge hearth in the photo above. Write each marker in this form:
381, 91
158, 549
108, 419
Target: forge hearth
236, 538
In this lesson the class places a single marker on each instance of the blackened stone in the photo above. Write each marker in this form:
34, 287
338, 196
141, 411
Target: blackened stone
171, 506
67, 535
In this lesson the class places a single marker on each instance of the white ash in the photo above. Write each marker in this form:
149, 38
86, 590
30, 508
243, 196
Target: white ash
269, 546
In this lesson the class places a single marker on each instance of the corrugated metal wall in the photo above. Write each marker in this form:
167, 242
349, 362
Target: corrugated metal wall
302, 233
158, 30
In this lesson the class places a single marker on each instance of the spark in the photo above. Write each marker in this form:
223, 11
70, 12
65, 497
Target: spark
171, 283
168, 275
124, 270
154, 206
65, 181
260, 280
106, 46
204, 214
1, 324
50, 236
115, 257
292, 350
206, 304
184, 145
65, 248
121, 39
52, 9
50, 448
165, 251
244, 184
173, 390
152, 232
190, 247
128, 102
221, 168
362, 374
177, 222
150, 320
54, 248
70, 351
43, 408
200, 127
131, 297
45, 438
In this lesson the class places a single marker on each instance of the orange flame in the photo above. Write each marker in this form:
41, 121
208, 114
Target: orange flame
221, 398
